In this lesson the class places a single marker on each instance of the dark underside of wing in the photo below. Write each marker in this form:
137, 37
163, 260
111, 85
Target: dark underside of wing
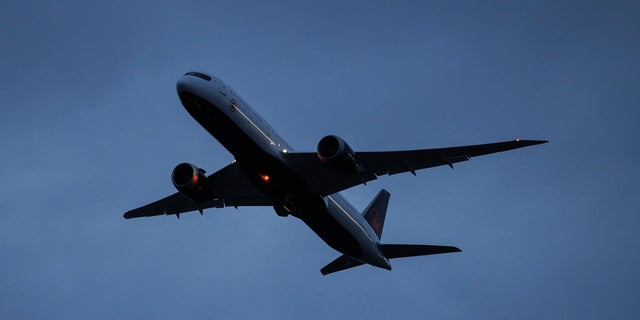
173, 204
232, 188
326, 181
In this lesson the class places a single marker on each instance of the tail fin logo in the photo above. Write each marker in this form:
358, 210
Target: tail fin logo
376, 212
375, 223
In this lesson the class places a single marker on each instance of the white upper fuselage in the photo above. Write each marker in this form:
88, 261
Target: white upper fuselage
261, 135
243, 116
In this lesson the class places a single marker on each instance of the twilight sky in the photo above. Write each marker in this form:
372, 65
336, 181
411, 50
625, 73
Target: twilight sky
91, 126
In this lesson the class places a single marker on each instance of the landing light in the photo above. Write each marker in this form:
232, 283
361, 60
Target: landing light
285, 150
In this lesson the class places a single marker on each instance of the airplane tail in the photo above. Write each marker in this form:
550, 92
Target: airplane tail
390, 251
377, 211
375, 214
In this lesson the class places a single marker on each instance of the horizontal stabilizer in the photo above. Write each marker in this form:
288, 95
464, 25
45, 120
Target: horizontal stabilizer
392, 251
343, 262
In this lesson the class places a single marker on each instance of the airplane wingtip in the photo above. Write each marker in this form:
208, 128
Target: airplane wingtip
530, 142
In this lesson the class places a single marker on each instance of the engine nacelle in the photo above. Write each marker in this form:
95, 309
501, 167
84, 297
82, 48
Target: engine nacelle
336, 153
191, 182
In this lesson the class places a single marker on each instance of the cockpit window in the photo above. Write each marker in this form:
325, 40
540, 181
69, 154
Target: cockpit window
199, 75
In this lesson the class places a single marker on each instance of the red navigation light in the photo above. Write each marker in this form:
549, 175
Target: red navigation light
265, 178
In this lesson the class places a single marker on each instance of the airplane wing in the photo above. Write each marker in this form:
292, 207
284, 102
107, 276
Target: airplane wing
327, 181
232, 188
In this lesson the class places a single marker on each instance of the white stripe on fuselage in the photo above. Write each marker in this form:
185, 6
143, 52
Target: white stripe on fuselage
245, 117
256, 127
371, 253
359, 225
256, 122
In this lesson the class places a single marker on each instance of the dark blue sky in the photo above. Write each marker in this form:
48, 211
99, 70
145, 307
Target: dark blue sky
91, 126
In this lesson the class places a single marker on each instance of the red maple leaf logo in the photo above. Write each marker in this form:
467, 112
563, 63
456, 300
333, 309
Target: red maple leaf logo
375, 223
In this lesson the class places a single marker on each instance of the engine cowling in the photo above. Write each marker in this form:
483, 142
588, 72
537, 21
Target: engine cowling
191, 182
336, 153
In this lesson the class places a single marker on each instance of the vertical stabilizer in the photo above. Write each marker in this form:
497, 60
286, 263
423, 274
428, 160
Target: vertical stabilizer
377, 211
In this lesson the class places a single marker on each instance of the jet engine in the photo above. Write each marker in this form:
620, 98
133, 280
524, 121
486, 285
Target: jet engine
191, 182
336, 153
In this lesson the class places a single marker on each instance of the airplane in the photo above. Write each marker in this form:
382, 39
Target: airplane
306, 185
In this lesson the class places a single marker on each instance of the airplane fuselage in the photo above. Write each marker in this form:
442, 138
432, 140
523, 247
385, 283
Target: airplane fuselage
261, 155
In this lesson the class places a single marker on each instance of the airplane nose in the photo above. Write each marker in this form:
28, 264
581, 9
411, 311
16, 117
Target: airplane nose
184, 84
